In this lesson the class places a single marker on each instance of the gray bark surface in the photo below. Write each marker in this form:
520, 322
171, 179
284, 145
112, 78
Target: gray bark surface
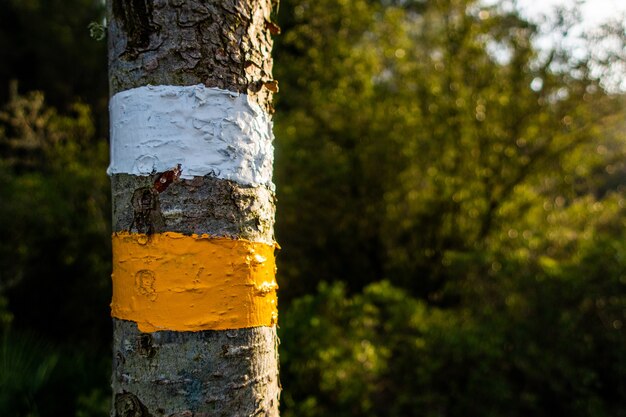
218, 43
222, 207
225, 44
229, 373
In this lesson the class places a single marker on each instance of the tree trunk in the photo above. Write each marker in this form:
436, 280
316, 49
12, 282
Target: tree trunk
194, 300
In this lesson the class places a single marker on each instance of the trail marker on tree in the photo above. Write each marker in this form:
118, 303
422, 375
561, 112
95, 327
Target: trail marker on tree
194, 289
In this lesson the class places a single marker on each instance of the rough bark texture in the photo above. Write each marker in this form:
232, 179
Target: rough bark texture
210, 373
222, 207
219, 43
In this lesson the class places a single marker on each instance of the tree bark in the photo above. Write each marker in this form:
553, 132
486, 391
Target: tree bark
191, 90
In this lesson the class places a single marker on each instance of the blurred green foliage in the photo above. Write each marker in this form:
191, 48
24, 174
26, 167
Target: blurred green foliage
549, 343
403, 141
433, 146
54, 259
25, 367
451, 211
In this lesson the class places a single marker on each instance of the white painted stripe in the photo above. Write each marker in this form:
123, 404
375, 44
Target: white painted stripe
205, 130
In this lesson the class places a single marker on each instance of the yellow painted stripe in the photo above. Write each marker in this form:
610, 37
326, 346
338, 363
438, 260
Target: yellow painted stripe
171, 281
